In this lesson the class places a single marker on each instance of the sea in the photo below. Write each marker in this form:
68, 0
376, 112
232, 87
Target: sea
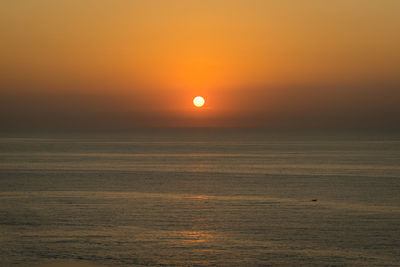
200, 197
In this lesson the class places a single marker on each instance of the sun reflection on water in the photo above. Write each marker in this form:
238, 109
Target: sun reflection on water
200, 197
188, 237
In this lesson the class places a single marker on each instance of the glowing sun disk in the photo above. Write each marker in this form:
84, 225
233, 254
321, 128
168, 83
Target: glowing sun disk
198, 101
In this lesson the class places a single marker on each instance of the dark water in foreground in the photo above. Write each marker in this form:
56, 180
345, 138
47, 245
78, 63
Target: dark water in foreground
199, 197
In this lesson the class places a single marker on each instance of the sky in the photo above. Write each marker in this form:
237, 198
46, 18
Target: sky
258, 63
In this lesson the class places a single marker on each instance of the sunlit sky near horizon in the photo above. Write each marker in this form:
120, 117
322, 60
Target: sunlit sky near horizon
121, 64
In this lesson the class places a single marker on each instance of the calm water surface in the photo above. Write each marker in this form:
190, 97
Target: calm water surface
199, 198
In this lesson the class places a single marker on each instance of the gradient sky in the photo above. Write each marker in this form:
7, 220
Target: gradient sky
121, 64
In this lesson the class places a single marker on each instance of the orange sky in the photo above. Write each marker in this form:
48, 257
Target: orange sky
258, 63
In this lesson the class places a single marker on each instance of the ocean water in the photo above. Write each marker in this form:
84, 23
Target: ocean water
199, 197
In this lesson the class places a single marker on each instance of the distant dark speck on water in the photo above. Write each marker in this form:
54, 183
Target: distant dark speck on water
315, 200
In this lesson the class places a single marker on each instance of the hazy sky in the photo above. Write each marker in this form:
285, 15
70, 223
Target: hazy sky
122, 64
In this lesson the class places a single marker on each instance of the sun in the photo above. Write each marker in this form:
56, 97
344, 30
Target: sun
198, 101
